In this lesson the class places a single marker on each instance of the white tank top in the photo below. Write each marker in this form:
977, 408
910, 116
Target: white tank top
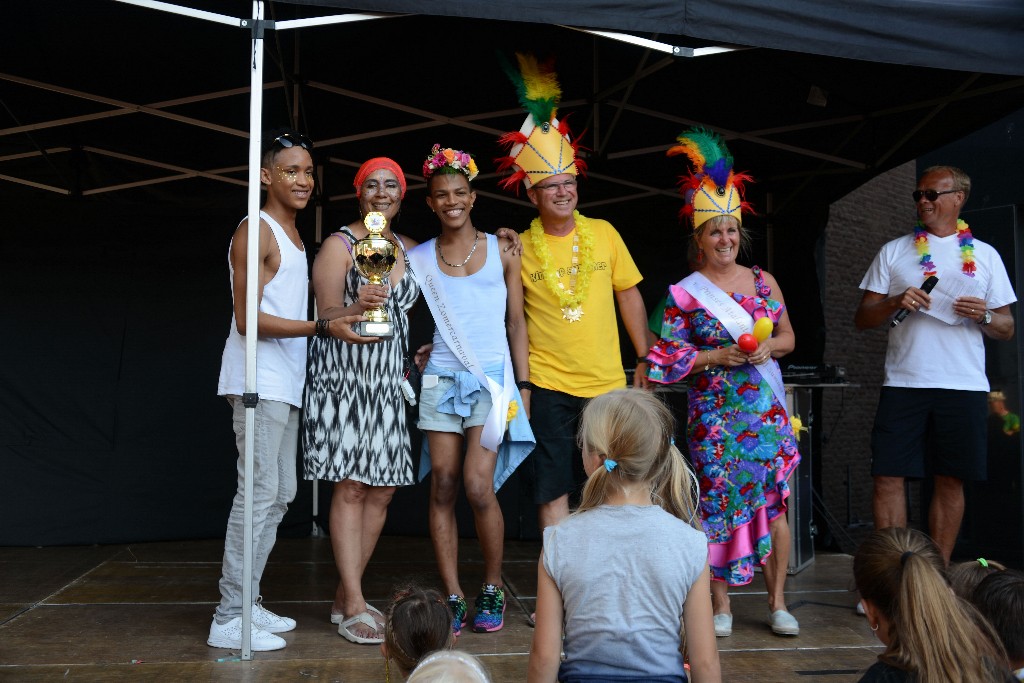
280, 363
478, 303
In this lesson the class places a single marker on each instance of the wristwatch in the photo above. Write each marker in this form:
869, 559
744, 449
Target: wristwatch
986, 319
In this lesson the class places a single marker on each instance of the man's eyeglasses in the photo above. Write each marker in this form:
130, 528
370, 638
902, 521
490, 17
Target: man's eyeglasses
553, 187
930, 195
291, 139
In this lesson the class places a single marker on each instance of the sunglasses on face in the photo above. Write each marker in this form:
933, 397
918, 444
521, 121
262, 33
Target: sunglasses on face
930, 195
292, 139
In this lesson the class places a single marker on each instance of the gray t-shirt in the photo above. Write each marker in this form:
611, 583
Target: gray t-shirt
624, 572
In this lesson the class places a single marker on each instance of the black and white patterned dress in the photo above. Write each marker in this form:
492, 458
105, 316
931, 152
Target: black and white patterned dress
354, 424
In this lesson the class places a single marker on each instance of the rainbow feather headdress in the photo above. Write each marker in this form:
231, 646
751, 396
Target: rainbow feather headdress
712, 188
543, 147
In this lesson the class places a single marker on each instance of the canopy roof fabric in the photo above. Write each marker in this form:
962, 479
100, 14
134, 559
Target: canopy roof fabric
970, 36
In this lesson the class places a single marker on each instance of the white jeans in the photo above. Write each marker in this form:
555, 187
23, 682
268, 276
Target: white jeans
274, 484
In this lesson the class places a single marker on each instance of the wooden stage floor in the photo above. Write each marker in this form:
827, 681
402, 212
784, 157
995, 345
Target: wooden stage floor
142, 612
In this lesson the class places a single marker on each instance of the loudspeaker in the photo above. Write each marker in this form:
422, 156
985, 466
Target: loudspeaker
800, 401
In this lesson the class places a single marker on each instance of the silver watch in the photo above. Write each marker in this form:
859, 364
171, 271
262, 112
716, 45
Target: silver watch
987, 318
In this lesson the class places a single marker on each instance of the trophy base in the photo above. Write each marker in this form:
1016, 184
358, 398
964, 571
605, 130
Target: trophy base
369, 328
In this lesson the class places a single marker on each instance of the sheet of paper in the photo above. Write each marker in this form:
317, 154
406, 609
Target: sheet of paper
948, 290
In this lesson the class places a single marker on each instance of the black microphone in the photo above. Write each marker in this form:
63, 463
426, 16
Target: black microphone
926, 286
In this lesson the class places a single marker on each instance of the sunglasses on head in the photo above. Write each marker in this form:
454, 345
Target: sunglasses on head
930, 195
291, 139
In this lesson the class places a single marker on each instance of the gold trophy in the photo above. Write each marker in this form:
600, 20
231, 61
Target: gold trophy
375, 257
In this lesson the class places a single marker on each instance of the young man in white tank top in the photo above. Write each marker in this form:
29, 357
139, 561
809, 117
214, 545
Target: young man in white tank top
287, 176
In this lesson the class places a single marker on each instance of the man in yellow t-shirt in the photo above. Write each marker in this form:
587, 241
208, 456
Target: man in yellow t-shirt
574, 339
575, 269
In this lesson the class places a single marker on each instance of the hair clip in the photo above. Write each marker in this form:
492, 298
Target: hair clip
610, 464
671, 441
983, 562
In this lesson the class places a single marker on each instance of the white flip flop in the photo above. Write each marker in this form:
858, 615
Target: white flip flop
338, 618
365, 619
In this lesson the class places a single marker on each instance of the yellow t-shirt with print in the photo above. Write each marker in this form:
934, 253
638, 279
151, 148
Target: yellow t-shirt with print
580, 358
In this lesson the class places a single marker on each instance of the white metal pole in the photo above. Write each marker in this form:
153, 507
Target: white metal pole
252, 313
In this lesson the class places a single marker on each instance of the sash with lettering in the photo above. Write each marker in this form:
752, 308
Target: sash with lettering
513, 450
736, 322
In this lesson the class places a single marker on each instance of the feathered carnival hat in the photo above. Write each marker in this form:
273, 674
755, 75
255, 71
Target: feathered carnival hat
712, 188
543, 146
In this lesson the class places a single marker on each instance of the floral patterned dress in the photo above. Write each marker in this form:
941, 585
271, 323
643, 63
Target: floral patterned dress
739, 435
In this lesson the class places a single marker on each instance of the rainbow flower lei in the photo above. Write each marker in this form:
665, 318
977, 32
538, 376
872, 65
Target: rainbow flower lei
567, 298
964, 238
452, 158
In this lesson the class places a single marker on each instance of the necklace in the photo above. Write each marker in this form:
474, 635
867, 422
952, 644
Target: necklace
963, 237
569, 300
458, 265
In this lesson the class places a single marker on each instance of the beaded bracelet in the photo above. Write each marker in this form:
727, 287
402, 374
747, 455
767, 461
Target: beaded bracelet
322, 328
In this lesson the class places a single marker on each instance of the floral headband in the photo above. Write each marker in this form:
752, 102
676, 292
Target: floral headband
450, 160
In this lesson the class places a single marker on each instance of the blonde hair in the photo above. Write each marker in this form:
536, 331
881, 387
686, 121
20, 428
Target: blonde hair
449, 666
636, 430
933, 633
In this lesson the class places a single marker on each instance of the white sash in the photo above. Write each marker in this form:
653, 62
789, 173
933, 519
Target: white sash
428, 275
736, 322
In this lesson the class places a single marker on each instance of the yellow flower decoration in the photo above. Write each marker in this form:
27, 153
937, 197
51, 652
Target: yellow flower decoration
798, 426
513, 410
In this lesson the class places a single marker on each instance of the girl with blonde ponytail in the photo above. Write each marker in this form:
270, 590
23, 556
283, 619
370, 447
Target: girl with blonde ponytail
930, 634
627, 573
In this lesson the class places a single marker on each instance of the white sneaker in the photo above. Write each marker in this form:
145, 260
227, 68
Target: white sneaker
268, 621
229, 636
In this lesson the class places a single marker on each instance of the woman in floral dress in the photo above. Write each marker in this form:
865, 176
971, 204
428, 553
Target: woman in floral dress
739, 435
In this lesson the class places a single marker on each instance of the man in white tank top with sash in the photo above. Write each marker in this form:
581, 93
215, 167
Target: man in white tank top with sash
287, 176
469, 396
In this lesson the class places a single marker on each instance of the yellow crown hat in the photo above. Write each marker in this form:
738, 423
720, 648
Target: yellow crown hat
543, 146
712, 188
710, 200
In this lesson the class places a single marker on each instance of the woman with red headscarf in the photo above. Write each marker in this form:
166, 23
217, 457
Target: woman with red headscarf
354, 420
354, 426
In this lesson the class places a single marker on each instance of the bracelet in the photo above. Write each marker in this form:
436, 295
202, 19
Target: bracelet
642, 359
525, 384
707, 361
322, 328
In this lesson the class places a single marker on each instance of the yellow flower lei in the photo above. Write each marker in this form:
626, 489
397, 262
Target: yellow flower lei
566, 297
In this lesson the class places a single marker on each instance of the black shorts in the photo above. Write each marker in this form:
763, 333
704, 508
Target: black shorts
555, 466
925, 432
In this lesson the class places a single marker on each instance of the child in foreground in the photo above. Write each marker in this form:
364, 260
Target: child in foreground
930, 634
629, 567
419, 623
